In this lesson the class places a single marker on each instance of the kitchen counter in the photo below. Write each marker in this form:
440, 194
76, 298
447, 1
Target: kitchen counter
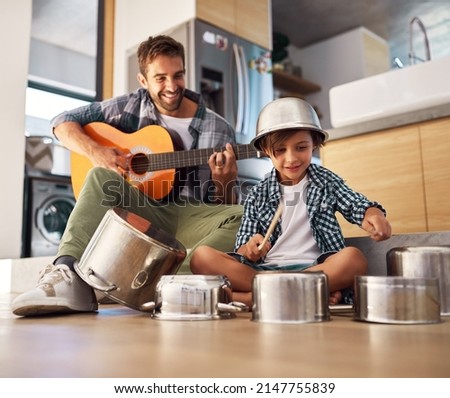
120, 342
423, 115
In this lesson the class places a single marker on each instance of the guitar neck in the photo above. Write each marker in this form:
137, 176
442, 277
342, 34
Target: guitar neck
153, 163
195, 157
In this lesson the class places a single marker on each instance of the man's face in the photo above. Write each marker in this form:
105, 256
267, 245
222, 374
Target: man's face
165, 83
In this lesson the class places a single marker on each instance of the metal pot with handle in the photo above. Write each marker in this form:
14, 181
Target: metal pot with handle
423, 261
397, 299
127, 256
193, 297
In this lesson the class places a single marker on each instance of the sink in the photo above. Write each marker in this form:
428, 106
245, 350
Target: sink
392, 93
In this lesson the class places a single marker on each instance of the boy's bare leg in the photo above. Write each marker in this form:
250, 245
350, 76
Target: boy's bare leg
341, 269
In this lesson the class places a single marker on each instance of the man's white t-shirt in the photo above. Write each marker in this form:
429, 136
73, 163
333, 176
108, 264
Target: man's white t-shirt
179, 127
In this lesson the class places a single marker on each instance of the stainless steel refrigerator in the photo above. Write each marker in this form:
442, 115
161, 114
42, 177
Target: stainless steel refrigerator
233, 75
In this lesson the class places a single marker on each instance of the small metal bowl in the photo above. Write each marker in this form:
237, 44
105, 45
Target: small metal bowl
397, 300
290, 297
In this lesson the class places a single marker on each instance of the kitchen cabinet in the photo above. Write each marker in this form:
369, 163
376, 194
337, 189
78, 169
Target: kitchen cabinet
435, 140
406, 169
386, 167
249, 19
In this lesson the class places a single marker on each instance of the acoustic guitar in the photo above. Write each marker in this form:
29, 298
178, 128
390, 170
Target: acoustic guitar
154, 161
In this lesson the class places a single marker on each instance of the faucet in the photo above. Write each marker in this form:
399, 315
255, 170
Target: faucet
412, 56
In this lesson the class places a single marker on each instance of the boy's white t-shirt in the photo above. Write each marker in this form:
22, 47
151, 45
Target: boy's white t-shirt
296, 244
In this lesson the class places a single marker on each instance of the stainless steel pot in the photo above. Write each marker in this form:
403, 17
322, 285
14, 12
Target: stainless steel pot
193, 297
290, 297
423, 261
286, 114
127, 256
397, 300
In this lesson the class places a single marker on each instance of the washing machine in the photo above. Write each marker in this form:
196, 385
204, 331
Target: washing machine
50, 201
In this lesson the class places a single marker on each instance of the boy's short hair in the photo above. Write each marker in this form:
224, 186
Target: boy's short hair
158, 45
272, 140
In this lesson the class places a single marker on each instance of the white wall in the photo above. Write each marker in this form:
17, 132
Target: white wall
331, 62
135, 21
15, 30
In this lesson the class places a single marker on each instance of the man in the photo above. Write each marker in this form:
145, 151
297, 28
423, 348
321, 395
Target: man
203, 210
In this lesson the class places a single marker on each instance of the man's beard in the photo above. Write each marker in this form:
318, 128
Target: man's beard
169, 106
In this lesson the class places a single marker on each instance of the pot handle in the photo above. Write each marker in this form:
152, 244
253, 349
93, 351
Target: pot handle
107, 288
147, 307
233, 306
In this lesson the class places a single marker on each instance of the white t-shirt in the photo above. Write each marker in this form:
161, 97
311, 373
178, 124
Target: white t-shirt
296, 244
179, 127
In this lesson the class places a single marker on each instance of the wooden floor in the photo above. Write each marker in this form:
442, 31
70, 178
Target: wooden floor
120, 342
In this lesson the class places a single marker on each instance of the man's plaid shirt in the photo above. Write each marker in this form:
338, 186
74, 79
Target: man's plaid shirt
131, 112
326, 194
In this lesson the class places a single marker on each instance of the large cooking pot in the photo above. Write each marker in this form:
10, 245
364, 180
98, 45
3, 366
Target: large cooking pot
290, 297
127, 256
193, 297
397, 300
423, 261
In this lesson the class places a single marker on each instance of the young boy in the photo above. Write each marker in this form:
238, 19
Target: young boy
307, 236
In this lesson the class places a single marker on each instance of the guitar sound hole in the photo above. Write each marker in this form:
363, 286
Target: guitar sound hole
139, 163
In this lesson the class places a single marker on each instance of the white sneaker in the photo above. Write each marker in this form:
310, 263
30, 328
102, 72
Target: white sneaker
59, 290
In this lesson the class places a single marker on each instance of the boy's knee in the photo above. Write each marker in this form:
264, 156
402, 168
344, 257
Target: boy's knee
198, 258
358, 259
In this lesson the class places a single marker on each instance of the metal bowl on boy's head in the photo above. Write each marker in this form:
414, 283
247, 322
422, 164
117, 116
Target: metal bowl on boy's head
286, 114
290, 297
397, 300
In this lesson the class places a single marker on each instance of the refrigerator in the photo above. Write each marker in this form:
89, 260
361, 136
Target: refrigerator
233, 76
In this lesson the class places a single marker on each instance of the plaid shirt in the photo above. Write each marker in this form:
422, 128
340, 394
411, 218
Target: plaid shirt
131, 112
325, 194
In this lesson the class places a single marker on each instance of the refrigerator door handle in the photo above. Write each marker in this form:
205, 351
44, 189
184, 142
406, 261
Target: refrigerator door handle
241, 94
246, 96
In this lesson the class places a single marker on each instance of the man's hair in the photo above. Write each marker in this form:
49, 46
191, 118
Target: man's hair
272, 140
158, 45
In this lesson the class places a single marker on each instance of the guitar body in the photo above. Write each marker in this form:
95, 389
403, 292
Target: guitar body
146, 141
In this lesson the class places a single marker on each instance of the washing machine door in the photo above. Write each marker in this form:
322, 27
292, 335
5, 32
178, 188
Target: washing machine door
49, 202
52, 216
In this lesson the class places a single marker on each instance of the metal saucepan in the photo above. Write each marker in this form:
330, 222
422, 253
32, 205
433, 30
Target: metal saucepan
127, 256
290, 297
193, 297
423, 261
397, 300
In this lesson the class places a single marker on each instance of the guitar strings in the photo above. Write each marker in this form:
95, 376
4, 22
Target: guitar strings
142, 163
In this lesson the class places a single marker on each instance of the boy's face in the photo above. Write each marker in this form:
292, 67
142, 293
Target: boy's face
165, 82
292, 157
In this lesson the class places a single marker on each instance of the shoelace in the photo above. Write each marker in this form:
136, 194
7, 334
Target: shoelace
52, 273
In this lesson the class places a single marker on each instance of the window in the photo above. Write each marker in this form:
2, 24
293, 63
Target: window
64, 60
64, 49
42, 106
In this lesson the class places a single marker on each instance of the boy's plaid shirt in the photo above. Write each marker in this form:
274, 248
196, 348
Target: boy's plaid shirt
326, 194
